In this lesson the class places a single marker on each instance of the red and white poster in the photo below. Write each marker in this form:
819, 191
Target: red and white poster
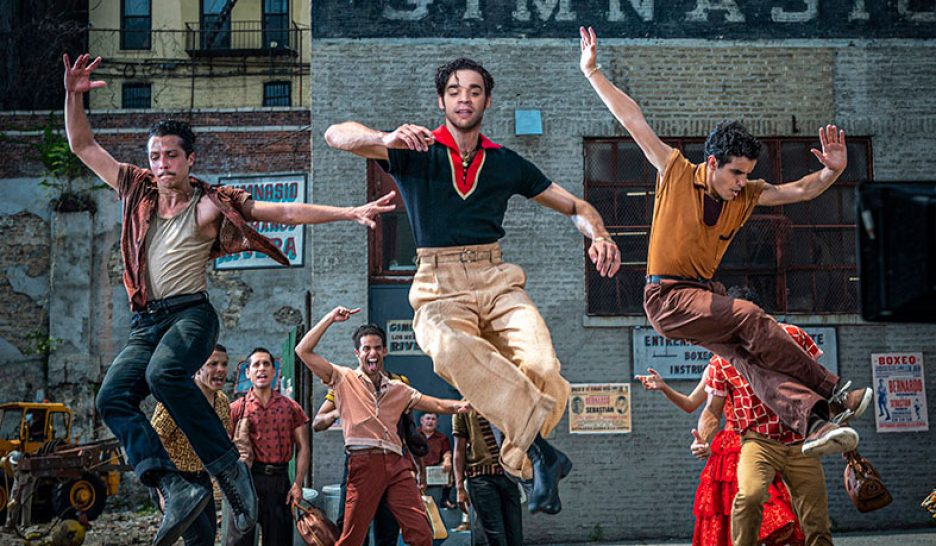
899, 392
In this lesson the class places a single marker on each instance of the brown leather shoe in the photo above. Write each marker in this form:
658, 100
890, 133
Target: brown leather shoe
826, 438
845, 404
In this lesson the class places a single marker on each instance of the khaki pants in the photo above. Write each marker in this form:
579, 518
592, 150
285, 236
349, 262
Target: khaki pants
488, 340
760, 461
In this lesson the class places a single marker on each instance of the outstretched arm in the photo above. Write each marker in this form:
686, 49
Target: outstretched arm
361, 140
624, 108
604, 253
305, 350
654, 382
77, 127
432, 404
834, 159
306, 213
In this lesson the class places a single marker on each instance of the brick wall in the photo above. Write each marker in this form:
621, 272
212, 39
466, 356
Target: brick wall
641, 484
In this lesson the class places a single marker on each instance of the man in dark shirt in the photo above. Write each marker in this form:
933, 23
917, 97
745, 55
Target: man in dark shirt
473, 316
173, 333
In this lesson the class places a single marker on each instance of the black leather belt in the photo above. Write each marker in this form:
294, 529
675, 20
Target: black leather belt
655, 279
174, 303
269, 469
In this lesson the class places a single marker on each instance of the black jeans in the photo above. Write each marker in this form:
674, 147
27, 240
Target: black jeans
164, 352
274, 516
496, 499
386, 528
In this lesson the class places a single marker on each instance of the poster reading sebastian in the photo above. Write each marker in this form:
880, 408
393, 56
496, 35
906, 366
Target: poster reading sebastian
603, 408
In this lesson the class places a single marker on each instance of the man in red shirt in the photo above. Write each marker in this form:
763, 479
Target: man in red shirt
277, 426
767, 446
440, 452
370, 405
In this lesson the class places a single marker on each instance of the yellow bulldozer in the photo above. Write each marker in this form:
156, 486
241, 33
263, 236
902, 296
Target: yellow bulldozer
73, 480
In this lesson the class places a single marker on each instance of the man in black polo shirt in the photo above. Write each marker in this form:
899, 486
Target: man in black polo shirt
473, 316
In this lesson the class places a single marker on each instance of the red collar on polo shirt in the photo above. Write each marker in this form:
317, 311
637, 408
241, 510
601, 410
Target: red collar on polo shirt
465, 183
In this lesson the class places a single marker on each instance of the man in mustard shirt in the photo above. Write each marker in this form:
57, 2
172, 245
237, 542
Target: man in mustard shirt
697, 211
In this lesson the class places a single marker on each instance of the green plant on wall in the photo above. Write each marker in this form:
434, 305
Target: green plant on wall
39, 343
70, 182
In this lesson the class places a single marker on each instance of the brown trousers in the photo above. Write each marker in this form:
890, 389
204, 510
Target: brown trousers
489, 341
760, 461
371, 476
782, 374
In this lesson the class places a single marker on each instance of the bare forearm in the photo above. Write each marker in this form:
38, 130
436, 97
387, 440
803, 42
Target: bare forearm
77, 126
588, 221
459, 463
323, 421
352, 136
432, 404
305, 350
622, 106
708, 424
678, 399
814, 184
302, 465
302, 214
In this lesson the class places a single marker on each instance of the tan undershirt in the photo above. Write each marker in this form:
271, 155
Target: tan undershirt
176, 254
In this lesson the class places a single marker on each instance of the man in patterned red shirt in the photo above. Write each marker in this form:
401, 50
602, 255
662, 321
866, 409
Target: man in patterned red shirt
767, 447
277, 426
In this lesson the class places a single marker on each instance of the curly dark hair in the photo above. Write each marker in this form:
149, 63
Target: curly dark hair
730, 139
178, 128
444, 72
368, 330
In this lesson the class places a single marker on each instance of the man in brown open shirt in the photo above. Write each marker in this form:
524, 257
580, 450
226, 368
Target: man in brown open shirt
697, 211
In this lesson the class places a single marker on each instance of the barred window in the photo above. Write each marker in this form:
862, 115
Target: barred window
275, 24
799, 258
136, 95
277, 94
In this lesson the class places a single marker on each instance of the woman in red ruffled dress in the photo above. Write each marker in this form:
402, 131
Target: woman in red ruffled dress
718, 482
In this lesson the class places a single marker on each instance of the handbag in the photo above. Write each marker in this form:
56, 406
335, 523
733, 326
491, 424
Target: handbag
314, 526
411, 436
439, 532
863, 483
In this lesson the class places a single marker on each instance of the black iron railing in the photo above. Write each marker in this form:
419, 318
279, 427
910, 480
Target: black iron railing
242, 38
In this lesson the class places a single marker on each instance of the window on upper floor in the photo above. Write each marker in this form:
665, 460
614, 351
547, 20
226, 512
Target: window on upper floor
135, 24
277, 94
215, 24
798, 258
392, 246
136, 95
275, 24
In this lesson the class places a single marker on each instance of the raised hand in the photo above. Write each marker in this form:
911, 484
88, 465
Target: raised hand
341, 314
652, 381
606, 256
366, 214
409, 137
78, 75
589, 45
834, 154
699, 447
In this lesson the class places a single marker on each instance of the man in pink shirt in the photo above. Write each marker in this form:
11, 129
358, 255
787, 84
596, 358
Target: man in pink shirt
370, 404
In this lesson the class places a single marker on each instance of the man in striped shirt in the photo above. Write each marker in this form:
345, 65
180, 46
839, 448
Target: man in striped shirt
494, 496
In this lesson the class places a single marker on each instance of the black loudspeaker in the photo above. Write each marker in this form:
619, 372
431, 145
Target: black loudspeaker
897, 251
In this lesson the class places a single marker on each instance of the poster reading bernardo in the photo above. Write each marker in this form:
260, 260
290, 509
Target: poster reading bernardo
899, 392
278, 188
600, 409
